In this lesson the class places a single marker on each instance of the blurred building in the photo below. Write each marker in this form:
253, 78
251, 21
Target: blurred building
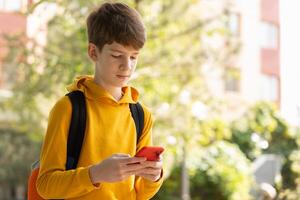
264, 67
268, 63
17, 18
258, 65
12, 22
259, 31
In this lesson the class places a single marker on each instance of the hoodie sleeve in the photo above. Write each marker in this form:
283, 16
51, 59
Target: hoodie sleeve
146, 189
54, 182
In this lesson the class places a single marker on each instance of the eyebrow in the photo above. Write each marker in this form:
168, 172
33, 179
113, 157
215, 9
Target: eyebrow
116, 50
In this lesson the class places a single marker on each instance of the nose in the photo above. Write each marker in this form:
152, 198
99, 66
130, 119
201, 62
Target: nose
127, 64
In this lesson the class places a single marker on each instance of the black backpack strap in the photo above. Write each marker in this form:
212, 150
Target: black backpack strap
137, 113
76, 129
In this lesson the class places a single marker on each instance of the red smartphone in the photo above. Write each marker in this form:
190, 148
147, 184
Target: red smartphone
150, 152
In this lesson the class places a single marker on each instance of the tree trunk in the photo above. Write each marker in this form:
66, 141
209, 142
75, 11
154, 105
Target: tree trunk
185, 186
13, 194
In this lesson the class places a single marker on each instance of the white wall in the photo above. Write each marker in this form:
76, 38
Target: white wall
290, 60
250, 52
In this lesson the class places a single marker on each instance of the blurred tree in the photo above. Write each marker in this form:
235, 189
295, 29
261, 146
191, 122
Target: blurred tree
218, 171
262, 130
16, 152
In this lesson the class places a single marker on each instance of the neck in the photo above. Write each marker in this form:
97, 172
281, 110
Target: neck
116, 92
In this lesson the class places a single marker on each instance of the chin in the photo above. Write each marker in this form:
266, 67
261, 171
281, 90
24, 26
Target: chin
121, 84
124, 84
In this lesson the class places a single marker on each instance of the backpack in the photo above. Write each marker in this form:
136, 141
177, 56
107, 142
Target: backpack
76, 135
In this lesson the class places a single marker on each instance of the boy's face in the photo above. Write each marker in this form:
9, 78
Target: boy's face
115, 63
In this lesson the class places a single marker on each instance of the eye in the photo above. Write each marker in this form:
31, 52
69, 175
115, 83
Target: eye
133, 58
116, 56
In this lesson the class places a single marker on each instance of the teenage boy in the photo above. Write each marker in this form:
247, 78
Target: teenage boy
107, 168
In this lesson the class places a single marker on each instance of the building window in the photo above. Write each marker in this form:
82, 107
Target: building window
232, 78
10, 5
269, 35
270, 88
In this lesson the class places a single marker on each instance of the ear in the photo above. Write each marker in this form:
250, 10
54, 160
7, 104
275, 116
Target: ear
92, 51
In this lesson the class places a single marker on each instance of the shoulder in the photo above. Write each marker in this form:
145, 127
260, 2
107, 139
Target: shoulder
147, 112
60, 115
145, 108
62, 105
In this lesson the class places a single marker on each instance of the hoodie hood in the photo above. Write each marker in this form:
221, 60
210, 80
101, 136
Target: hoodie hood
94, 91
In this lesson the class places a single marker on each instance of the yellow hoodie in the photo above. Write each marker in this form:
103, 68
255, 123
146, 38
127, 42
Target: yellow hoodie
110, 129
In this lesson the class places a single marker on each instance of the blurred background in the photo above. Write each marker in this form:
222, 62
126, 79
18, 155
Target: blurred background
222, 78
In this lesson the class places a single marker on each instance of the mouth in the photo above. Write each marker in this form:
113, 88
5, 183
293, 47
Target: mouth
123, 77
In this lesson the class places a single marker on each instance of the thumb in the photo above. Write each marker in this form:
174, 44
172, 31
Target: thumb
124, 155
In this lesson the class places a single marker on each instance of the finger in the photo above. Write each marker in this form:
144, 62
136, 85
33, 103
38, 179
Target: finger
130, 173
160, 157
150, 171
153, 164
136, 167
132, 160
121, 155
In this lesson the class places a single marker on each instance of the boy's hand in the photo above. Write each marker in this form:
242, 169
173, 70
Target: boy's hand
116, 168
152, 170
